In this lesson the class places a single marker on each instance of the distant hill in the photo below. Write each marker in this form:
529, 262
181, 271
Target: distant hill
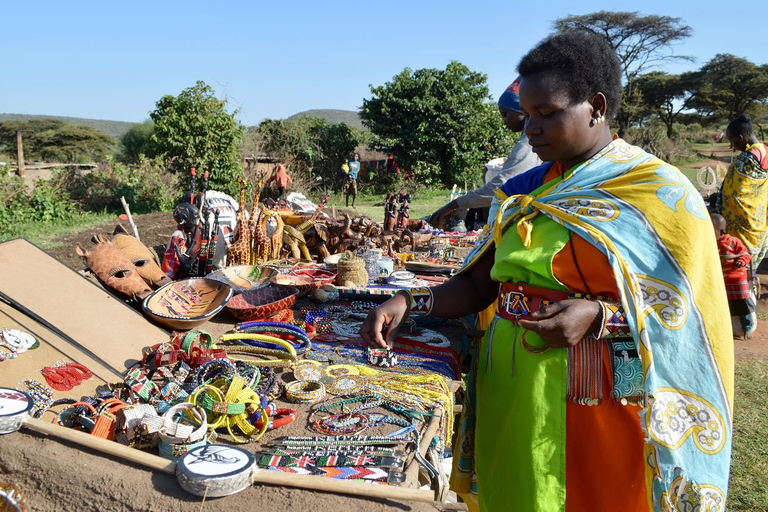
348, 117
114, 129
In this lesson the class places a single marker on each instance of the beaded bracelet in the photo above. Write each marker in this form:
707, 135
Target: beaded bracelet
282, 417
305, 391
230, 409
420, 300
175, 451
42, 397
213, 369
613, 322
346, 423
175, 432
285, 359
271, 328
273, 342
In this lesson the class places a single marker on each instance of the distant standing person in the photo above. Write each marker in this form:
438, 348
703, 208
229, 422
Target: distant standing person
350, 187
744, 197
520, 160
282, 180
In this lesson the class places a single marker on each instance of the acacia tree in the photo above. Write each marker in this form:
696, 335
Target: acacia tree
641, 43
54, 140
437, 121
667, 96
194, 129
727, 86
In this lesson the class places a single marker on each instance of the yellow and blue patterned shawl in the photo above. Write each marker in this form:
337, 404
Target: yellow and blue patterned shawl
652, 225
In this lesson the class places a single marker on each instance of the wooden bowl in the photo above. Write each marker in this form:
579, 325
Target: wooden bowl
319, 276
303, 284
184, 304
237, 277
262, 303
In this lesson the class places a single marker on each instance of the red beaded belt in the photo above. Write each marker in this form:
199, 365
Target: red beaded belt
517, 300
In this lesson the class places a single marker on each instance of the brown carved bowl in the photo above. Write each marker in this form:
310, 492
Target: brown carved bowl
187, 303
303, 284
262, 303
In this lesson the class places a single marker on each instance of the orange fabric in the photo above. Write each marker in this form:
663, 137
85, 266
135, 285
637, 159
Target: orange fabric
281, 178
604, 443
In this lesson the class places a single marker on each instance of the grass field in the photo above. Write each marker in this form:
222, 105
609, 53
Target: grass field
749, 463
44, 234
423, 203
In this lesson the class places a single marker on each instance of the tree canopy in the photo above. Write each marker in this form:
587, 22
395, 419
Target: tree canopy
437, 121
641, 43
137, 141
727, 86
306, 144
194, 129
54, 141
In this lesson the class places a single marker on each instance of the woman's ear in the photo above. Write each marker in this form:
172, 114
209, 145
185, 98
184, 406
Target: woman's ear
599, 105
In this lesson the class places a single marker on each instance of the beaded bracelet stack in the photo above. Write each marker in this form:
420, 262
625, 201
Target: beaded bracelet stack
184, 427
41, 396
305, 391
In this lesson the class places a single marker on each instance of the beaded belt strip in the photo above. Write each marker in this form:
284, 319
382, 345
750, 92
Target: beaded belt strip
368, 474
340, 451
338, 440
307, 460
585, 359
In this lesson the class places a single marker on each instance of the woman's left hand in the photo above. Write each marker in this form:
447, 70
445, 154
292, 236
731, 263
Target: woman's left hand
564, 323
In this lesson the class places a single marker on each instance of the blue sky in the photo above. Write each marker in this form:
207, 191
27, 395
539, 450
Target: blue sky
114, 60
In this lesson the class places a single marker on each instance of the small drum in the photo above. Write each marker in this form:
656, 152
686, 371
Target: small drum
216, 470
14, 409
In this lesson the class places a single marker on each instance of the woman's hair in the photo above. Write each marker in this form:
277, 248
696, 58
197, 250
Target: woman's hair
584, 62
742, 125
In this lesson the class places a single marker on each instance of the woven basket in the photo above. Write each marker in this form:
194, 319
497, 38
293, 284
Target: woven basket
351, 268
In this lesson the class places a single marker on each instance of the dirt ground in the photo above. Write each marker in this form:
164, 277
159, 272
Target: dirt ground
56, 477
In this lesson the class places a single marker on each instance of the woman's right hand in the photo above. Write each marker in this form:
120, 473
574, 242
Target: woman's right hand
382, 323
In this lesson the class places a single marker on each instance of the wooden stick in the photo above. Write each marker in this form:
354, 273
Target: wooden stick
358, 489
412, 471
151, 461
102, 445
130, 217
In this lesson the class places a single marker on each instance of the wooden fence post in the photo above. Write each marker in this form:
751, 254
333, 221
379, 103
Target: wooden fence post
20, 153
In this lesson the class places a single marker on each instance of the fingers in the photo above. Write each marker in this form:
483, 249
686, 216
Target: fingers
549, 310
540, 327
392, 330
377, 326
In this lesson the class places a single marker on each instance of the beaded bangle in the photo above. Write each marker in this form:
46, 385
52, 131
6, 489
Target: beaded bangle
420, 300
282, 417
285, 359
230, 409
614, 322
175, 451
176, 432
213, 369
273, 342
305, 391
347, 423
279, 328
41, 396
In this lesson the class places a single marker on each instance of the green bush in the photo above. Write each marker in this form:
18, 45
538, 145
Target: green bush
19, 204
147, 187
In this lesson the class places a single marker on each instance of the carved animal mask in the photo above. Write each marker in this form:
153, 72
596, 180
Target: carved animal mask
114, 268
142, 259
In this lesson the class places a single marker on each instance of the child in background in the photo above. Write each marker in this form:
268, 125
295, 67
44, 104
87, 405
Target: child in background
734, 258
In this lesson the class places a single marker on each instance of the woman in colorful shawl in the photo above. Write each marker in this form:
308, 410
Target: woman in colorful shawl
745, 189
605, 381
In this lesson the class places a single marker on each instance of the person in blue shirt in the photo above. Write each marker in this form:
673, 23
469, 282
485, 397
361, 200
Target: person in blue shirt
350, 187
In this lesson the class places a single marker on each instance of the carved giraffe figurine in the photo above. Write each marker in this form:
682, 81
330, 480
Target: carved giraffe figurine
259, 238
239, 253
